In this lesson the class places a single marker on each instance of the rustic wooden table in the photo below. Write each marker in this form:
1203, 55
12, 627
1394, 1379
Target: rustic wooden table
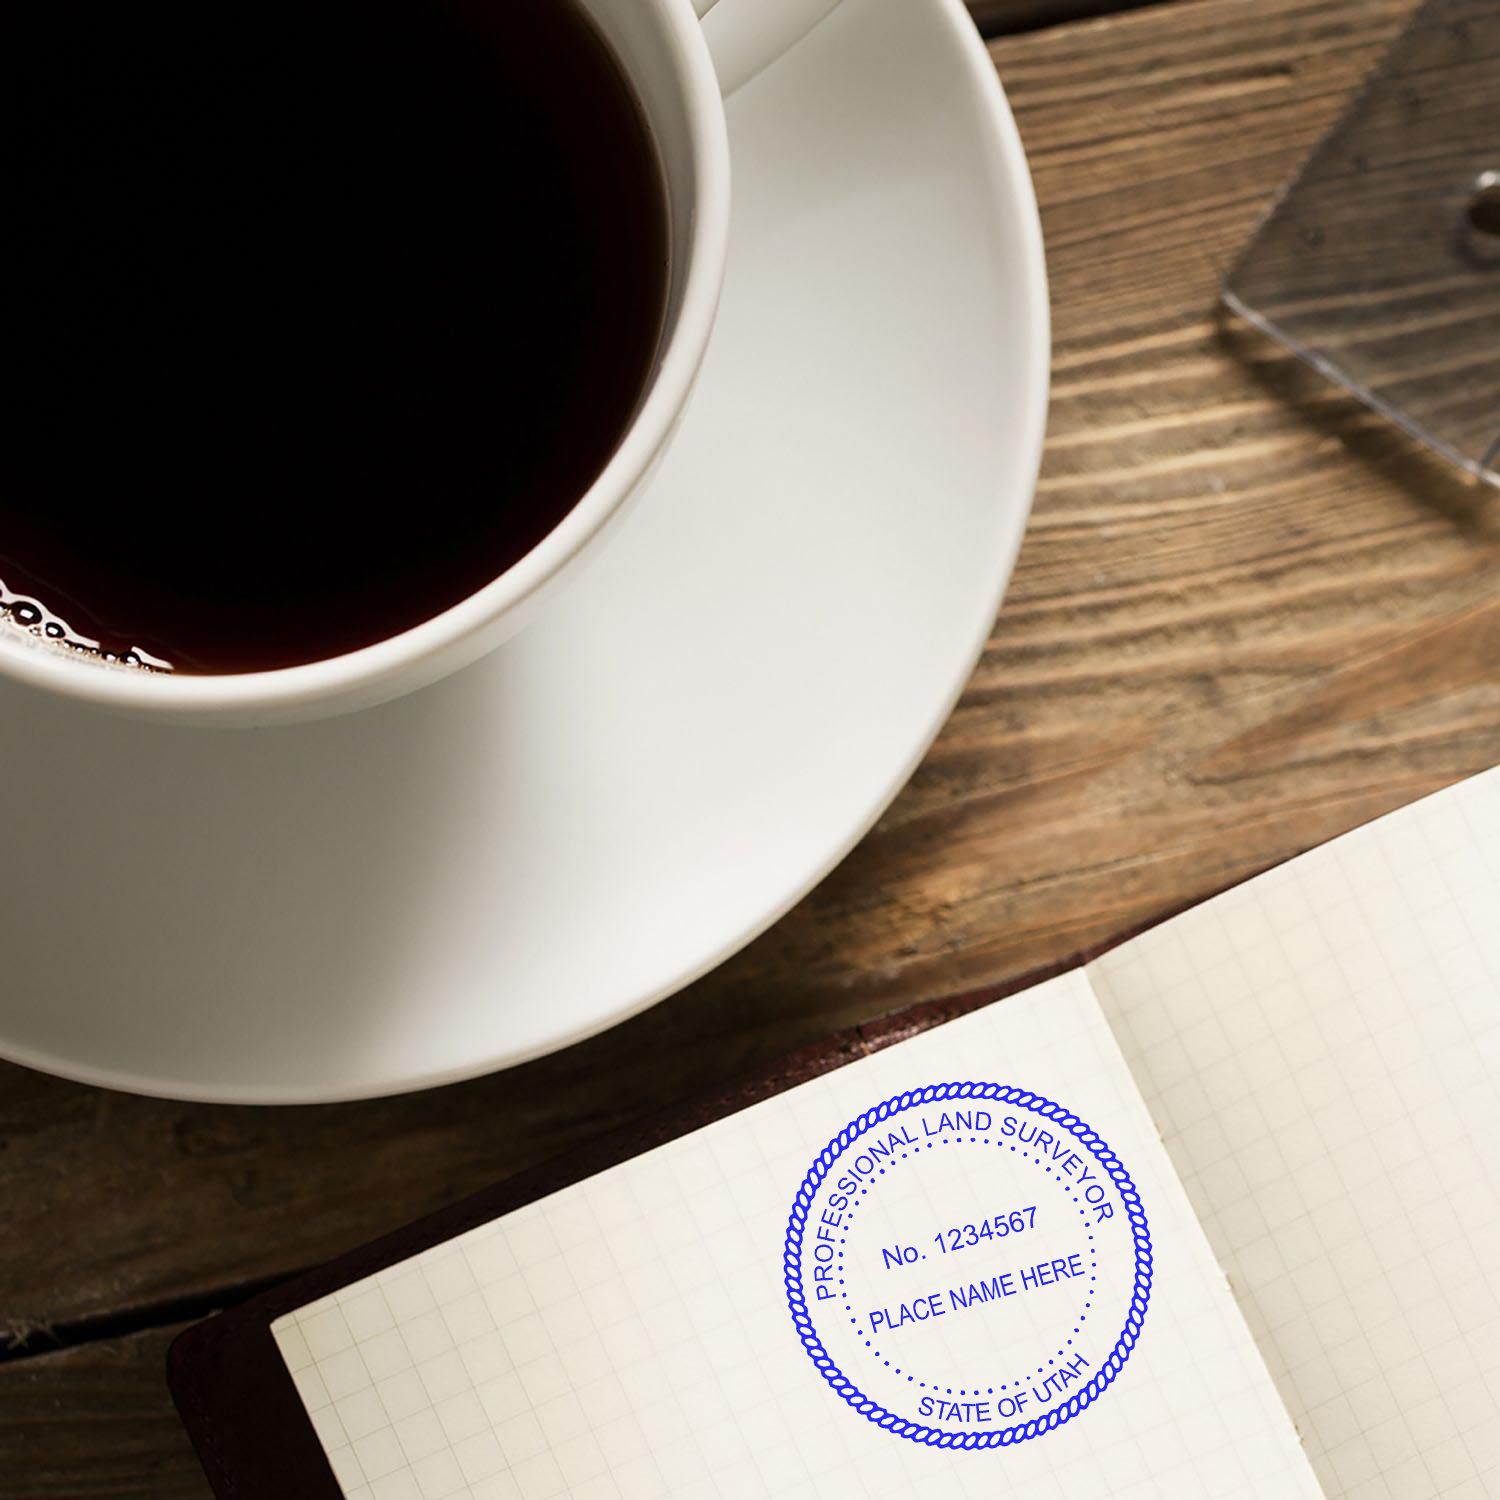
1247, 617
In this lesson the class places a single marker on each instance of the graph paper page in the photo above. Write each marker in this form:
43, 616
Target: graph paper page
1320, 1048
867, 1286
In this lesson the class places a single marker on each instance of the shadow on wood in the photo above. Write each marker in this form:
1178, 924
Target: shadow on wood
1366, 434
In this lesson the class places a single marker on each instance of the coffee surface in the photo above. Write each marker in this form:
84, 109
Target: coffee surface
318, 314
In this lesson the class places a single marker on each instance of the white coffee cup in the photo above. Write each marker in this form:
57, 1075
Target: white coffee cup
681, 67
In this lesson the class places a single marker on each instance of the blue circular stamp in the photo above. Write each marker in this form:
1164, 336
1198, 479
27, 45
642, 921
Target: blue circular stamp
968, 1265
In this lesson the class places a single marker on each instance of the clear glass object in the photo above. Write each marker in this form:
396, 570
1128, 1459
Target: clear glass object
1379, 263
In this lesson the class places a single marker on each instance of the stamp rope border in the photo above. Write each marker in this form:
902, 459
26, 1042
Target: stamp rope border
934, 1093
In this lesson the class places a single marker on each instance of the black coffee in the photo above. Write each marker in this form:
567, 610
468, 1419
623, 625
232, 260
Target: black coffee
318, 313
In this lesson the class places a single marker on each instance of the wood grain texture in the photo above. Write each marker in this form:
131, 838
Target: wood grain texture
1005, 17
1247, 616
96, 1421
1399, 300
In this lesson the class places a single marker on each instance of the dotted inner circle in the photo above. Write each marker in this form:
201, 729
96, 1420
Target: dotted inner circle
949, 1390
919, 1432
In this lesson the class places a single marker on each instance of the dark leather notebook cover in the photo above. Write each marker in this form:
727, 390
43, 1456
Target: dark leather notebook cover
227, 1376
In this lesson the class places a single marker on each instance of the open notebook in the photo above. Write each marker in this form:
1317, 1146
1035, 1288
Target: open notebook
1217, 1215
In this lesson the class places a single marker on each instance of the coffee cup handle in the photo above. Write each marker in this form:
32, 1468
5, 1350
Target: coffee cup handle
746, 36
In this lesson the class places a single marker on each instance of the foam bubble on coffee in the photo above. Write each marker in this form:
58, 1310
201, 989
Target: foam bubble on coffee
20, 611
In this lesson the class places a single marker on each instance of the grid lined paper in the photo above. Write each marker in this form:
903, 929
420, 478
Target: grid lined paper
1320, 1048
629, 1337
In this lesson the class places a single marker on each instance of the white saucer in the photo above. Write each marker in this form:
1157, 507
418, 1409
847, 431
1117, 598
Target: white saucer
636, 786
